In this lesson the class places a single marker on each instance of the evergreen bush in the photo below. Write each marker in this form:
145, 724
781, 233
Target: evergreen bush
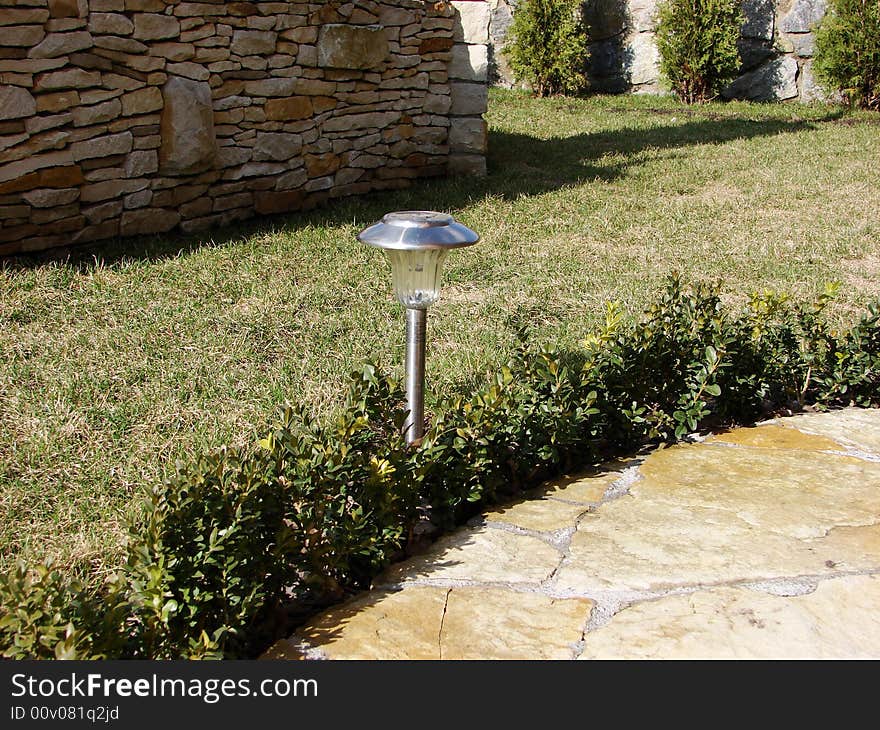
697, 41
547, 46
848, 51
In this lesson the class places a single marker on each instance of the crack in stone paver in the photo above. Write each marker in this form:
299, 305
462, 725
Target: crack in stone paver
554, 538
621, 487
601, 614
627, 597
607, 606
610, 603
826, 532
442, 620
565, 550
577, 647
727, 621
513, 587
856, 454
799, 586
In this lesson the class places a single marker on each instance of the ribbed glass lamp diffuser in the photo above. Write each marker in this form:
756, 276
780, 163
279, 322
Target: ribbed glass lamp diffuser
416, 275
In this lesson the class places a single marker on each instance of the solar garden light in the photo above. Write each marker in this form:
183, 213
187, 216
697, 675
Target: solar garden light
416, 243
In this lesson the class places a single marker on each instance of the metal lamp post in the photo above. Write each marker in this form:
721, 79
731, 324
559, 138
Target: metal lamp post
416, 243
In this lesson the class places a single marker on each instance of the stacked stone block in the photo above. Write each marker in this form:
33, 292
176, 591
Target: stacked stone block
468, 74
123, 117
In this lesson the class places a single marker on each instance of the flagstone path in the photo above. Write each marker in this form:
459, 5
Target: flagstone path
760, 542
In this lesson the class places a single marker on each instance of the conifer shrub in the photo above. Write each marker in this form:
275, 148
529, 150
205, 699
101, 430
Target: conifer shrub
697, 41
547, 46
848, 51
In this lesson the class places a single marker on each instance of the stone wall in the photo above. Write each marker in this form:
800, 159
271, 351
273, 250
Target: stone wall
776, 47
124, 117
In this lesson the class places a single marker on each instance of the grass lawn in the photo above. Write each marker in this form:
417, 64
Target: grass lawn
121, 358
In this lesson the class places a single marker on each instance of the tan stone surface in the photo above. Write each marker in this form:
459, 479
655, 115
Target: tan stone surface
153, 26
142, 101
421, 622
800, 494
343, 77
139, 222
69, 78
469, 63
583, 489
49, 197
744, 508
739, 623
469, 99
21, 36
483, 555
466, 164
540, 515
111, 23
776, 437
277, 146
854, 427
492, 623
61, 44
104, 146
468, 134
381, 625
709, 514
22, 168
471, 22
16, 102
253, 42
289, 109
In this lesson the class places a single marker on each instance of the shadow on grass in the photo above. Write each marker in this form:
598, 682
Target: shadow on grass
519, 164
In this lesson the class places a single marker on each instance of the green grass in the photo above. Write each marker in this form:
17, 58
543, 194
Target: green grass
119, 359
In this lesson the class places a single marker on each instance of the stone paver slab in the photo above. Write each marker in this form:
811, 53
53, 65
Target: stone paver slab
377, 625
685, 548
855, 427
776, 437
540, 515
739, 623
712, 514
480, 555
796, 493
425, 622
656, 546
491, 623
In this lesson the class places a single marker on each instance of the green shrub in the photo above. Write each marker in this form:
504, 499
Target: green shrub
848, 51
231, 540
209, 560
532, 421
350, 495
49, 615
312, 508
547, 46
697, 41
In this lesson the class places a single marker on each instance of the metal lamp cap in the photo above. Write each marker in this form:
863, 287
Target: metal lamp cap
412, 230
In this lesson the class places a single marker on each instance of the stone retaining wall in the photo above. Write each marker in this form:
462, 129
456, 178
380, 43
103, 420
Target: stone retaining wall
125, 117
776, 47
